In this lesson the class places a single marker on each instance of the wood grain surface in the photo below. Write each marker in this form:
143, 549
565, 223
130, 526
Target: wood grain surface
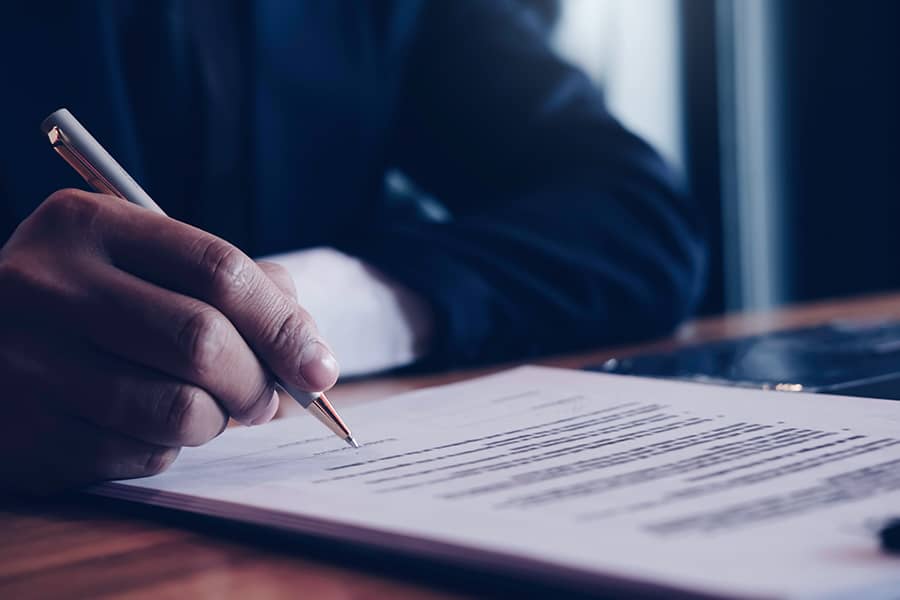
75, 547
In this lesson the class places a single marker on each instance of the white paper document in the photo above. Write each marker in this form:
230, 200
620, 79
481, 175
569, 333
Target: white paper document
618, 481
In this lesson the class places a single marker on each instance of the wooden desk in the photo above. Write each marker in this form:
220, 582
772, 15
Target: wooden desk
73, 548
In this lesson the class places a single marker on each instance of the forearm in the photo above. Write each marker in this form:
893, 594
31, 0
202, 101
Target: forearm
565, 230
569, 267
371, 322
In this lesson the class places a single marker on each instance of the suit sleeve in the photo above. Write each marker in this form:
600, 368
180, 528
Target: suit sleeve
566, 230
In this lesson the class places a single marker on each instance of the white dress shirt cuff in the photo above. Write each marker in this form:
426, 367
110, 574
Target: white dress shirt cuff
371, 322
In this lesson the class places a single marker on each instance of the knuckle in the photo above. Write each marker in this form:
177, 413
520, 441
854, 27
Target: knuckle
182, 412
291, 332
59, 200
227, 269
26, 281
250, 406
203, 338
14, 276
69, 207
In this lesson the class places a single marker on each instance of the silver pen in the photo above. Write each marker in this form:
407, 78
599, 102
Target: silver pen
101, 171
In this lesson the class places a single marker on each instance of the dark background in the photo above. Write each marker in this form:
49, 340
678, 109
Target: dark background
840, 97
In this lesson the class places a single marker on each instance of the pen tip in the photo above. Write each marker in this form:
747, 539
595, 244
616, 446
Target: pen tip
353, 443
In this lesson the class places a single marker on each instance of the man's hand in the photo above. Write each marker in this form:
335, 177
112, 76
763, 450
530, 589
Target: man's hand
125, 335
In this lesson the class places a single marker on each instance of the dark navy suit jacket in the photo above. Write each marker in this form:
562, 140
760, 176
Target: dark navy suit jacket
559, 228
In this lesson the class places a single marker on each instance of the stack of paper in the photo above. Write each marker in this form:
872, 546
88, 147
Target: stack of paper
617, 481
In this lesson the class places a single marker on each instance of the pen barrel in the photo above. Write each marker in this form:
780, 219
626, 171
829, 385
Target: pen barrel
319, 407
106, 175
304, 399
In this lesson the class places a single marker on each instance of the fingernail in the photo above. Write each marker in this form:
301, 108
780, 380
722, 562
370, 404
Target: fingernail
271, 409
318, 367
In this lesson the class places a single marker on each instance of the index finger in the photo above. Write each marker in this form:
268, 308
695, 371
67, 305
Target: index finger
196, 263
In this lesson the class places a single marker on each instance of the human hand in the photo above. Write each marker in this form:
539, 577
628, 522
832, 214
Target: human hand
125, 335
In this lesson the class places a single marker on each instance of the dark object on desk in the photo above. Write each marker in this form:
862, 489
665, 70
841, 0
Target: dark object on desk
850, 357
890, 536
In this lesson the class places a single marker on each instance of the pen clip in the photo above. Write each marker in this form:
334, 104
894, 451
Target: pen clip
71, 155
